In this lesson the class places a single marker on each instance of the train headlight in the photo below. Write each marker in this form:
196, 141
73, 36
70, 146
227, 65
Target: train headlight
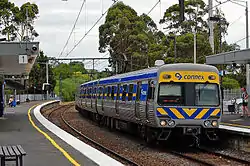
171, 123
163, 123
207, 123
166, 76
214, 123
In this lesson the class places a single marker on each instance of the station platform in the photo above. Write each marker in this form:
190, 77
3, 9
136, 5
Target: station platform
16, 128
235, 123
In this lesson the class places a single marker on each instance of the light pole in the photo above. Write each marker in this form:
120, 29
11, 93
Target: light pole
194, 31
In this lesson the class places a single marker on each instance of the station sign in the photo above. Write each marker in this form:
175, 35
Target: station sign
23, 59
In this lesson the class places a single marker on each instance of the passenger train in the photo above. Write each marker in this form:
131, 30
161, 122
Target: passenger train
157, 101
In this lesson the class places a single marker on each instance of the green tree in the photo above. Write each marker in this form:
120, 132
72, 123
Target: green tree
185, 51
230, 83
13, 19
37, 74
195, 10
130, 39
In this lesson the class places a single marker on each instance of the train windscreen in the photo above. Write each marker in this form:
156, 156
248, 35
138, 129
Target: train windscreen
188, 94
171, 94
206, 95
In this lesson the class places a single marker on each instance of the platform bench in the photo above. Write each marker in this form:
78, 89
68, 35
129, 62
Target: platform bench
12, 153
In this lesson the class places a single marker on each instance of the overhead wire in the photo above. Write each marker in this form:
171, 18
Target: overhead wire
79, 13
89, 30
153, 7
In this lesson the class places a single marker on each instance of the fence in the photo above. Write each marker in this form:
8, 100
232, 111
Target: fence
229, 94
31, 97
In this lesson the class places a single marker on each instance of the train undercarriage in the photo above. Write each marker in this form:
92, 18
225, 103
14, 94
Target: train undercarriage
149, 134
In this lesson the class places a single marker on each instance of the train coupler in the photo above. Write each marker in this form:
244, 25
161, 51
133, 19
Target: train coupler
211, 135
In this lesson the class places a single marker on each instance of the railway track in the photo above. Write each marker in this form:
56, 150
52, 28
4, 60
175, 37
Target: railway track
210, 158
103, 148
201, 156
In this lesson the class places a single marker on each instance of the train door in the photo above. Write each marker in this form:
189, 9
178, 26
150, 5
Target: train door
143, 100
137, 101
150, 98
117, 99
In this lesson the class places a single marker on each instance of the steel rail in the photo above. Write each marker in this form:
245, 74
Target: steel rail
104, 148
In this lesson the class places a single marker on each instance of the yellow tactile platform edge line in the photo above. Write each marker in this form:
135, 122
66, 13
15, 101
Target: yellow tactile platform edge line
51, 140
235, 125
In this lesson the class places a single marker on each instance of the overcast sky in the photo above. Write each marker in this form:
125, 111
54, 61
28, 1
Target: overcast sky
56, 19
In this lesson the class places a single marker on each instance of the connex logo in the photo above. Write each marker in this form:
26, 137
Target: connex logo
178, 76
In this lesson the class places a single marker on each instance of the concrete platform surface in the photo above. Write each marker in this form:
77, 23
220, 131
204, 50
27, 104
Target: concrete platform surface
15, 128
235, 123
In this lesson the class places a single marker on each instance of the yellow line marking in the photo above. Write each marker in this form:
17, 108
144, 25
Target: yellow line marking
215, 112
162, 111
177, 113
235, 120
51, 140
202, 113
189, 111
235, 125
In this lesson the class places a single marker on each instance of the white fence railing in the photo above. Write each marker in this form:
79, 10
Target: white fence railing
229, 94
32, 97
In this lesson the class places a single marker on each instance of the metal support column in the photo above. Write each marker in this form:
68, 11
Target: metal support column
47, 79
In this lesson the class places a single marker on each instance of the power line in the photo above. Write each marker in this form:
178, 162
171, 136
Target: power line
153, 7
240, 40
72, 28
220, 3
230, 24
89, 30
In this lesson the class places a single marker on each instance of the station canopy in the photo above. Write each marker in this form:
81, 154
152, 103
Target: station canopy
17, 58
238, 57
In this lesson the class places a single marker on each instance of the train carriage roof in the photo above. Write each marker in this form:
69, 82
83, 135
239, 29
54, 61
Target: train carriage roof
151, 73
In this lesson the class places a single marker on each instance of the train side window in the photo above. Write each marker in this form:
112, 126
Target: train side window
90, 93
100, 93
113, 93
124, 92
94, 94
84, 93
118, 92
108, 92
138, 92
130, 92
104, 92
151, 90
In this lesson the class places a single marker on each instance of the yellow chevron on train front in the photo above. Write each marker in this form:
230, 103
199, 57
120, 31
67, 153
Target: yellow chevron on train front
188, 113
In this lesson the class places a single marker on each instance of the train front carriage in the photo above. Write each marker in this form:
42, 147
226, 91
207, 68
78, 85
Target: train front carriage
188, 99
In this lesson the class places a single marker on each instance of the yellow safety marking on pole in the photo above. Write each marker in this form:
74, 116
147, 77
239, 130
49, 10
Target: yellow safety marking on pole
162, 111
189, 111
202, 113
235, 125
177, 113
215, 112
51, 140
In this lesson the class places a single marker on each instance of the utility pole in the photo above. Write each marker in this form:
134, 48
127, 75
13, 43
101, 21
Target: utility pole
175, 52
247, 46
47, 77
194, 45
211, 25
60, 86
93, 70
